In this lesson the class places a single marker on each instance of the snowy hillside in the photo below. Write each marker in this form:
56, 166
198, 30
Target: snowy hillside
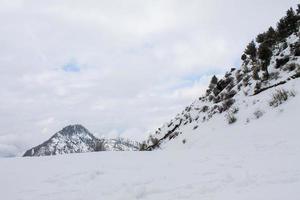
241, 97
77, 139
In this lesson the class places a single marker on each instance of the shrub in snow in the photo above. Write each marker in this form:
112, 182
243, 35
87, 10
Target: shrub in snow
204, 108
229, 86
239, 86
274, 75
258, 114
195, 127
173, 135
281, 96
170, 124
188, 109
297, 51
235, 110
214, 109
291, 66
265, 75
143, 146
223, 83
281, 61
257, 87
284, 46
238, 76
154, 140
217, 99
183, 141
246, 80
230, 118
226, 105
229, 94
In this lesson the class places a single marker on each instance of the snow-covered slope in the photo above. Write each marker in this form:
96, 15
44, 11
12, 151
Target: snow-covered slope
77, 139
238, 98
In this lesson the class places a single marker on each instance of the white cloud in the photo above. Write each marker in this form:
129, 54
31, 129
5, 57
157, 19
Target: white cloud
132, 61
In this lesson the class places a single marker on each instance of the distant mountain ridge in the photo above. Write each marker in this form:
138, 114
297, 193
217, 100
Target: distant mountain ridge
78, 139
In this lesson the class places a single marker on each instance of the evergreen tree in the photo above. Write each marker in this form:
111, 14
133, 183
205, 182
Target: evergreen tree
255, 71
298, 9
243, 57
261, 37
251, 50
291, 20
213, 82
269, 37
288, 24
265, 54
212, 85
282, 29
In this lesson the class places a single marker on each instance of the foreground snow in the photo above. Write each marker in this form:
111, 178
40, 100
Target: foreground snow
258, 160
261, 174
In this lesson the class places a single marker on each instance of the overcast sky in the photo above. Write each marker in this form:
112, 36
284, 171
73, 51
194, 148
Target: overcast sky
120, 68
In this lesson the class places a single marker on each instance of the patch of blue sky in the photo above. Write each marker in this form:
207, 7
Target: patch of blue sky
238, 63
195, 77
71, 66
190, 79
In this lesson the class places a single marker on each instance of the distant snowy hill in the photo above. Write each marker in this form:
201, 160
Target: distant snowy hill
268, 77
77, 139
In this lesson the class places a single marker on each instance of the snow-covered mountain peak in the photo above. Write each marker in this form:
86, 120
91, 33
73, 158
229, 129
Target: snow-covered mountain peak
78, 139
74, 129
71, 139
